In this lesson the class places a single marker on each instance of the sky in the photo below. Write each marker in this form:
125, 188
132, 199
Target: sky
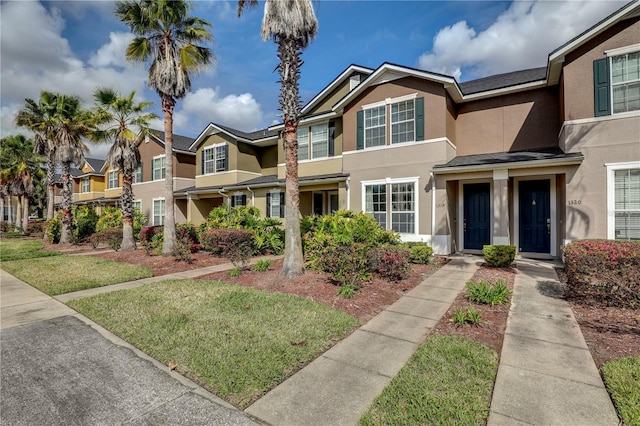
77, 46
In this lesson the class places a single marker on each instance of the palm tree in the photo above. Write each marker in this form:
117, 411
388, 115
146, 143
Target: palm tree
125, 121
72, 123
167, 37
291, 24
39, 117
20, 166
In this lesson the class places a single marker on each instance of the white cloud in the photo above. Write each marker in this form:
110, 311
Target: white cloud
522, 37
206, 105
112, 54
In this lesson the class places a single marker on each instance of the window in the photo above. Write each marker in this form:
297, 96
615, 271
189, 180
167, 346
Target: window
158, 168
85, 185
374, 127
238, 199
402, 122
112, 179
214, 159
625, 82
401, 204
137, 204
321, 138
303, 143
624, 201
275, 204
137, 176
158, 212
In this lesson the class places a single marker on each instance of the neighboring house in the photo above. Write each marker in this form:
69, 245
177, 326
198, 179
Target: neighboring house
532, 158
89, 183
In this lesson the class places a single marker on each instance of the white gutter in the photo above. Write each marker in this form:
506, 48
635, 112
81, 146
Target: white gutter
253, 197
348, 193
224, 195
433, 206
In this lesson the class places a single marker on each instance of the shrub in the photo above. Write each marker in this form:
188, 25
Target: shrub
420, 253
112, 218
499, 256
182, 250
189, 229
390, 262
36, 228
606, 271
262, 265
489, 294
235, 244
86, 219
147, 237
346, 264
54, 230
111, 236
470, 316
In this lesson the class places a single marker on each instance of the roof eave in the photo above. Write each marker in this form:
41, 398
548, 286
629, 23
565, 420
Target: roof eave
570, 161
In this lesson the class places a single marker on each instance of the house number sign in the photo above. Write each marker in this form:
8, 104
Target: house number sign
575, 202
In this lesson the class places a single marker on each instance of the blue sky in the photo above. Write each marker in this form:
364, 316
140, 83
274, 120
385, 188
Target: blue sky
76, 46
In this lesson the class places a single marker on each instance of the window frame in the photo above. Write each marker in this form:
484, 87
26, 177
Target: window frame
382, 126
624, 83
398, 123
161, 215
85, 180
162, 169
110, 179
137, 175
389, 212
275, 194
210, 165
612, 168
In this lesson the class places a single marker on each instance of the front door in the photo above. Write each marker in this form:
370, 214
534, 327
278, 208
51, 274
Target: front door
477, 215
535, 216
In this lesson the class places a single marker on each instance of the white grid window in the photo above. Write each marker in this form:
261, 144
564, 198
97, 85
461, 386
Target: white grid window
208, 161
320, 141
303, 143
374, 127
395, 197
403, 208
627, 204
214, 159
137, 176
86, 185
158, 212
403, 122
159, 170
625, 78
376, 203
137, 204
221, 158
112, 181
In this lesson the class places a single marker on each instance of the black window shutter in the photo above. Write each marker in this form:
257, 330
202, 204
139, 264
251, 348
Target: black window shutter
226, 158
601, 87
202, 161
233, 201
244, 199
282, 204
269, 204
360, 130
419, 119
332, 131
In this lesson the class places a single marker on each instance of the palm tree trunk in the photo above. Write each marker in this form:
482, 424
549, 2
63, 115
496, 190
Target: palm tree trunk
289, 68
18, 216
2, 208
126, 202
25, 214
67, 218
169, 240
51, 187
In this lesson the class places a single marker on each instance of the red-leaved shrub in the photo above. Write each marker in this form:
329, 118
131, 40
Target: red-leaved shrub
606, 271
390, 262
236, 244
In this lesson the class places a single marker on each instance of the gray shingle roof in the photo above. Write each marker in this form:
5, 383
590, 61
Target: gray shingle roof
95, 163
253, 136
508, 157
501, 81
180, 143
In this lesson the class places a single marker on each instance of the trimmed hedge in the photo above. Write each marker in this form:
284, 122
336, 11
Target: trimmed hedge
607, 271
499, 256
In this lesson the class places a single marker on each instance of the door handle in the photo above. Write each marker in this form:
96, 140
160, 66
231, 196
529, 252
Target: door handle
548, 226
464, 225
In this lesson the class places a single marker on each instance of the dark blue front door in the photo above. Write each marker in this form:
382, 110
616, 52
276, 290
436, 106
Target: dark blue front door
535, 216
477, 219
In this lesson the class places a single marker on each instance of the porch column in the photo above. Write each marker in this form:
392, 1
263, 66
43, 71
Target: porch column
501, 207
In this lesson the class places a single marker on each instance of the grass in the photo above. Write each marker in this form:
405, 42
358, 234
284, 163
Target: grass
23, 249
237, 342
622, 379
65, 274
447, 381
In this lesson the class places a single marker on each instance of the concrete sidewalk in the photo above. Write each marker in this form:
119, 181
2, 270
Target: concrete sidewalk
339, 386
546, 374
60, 368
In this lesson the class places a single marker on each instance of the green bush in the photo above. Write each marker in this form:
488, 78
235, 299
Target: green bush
489, 294
606, 271
184, 245
235, 244
499, 256
54, 230
147, 237
470, 316
390, 262
622, 379
262, 265
86, 219
112, 218
347, 264
420, 253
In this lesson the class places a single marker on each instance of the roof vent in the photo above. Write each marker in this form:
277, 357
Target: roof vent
354, 80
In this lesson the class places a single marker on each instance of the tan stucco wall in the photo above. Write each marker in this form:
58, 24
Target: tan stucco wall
333, 97
514, 122
578, 67
224, 178
330, 165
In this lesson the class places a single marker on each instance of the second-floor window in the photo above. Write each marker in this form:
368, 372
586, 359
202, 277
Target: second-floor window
215, 159
315, 141
159, 170
85, 185
625, 82
405, 116
112, 179
137, 175
375, 128
402, 122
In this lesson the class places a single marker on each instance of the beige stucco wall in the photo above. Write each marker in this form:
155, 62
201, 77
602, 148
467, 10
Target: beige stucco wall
507, 123
333, 97
146, 192
323, 166
578, 67
224, 178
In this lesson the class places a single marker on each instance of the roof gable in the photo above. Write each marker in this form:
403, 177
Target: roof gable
334, 85
262, 137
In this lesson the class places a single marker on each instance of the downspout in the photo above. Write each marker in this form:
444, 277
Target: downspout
348, 193
253, 197
433, 207
225, 196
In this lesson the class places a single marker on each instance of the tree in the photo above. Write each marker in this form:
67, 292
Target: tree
72, 124
20, 166
169, 38
121, 122
39, 117
291, 24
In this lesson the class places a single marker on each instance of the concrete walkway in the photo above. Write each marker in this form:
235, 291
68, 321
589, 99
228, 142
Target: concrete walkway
546, 374
339, 386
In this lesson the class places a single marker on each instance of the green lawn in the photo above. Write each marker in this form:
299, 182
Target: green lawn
65, 274
447, 381
13, 249
237, 342
622, 378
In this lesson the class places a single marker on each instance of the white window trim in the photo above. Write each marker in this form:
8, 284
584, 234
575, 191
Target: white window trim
619, 52
82, 182
389, 181
153, 179
153, 208
276, 191
109, 179
391, 124
611, 200
137, 201
623, 50
213, 148
389, 101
